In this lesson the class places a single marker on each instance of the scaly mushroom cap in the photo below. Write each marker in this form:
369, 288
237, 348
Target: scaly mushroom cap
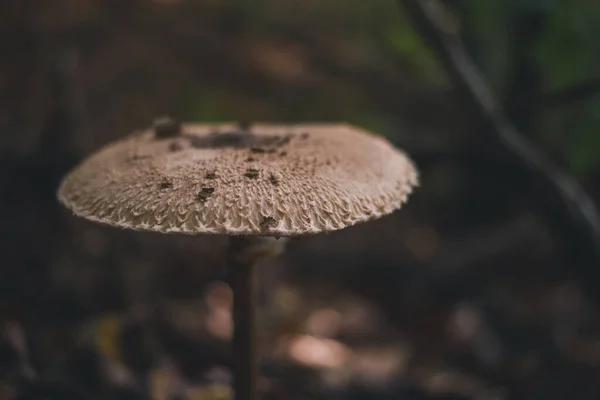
269, 180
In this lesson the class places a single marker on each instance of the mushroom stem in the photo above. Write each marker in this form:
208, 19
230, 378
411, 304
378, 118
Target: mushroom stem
243, 255
243, 284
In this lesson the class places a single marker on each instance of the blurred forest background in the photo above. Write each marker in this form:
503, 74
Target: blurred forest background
485, 287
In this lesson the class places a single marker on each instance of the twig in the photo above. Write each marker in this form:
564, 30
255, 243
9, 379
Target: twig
581, 221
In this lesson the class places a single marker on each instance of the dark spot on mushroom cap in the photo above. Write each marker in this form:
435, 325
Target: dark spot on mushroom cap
165, 127
251, 173
211, 175
273, 179
262, 150
205, 193
175, 146
304, 135
250, 159
283, 153
165, 184
268, 222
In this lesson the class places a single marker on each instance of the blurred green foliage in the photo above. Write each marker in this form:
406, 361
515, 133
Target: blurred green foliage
568, 52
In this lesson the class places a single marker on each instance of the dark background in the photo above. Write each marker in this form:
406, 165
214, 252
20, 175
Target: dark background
486, 286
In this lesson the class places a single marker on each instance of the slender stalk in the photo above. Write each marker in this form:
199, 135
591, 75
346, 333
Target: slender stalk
245, 351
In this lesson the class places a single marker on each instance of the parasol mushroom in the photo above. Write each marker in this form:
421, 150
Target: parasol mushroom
251, 183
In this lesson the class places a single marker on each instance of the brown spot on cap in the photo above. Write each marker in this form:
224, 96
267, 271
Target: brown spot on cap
273, 179
251, 173
268, 223
165, 184
205, 193
261, 150
211, 175
176, 145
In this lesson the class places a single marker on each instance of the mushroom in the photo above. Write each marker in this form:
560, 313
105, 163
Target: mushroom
252, 183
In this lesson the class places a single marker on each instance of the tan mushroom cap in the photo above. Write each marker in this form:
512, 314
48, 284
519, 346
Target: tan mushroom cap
271, 180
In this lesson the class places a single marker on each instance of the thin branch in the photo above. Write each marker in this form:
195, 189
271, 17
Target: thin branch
581, 221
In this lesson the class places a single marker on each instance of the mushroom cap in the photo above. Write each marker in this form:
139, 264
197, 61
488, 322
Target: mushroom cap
267, 180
